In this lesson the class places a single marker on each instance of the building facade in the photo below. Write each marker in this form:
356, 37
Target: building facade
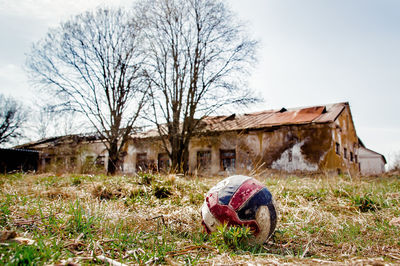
311, 139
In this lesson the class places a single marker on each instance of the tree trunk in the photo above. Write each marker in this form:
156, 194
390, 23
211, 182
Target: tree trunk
185, 159
113, 159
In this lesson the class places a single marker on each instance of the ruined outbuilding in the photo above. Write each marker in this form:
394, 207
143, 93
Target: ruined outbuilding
310, 139
371, 162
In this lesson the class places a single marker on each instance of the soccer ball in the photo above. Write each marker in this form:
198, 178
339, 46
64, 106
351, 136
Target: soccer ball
240, 201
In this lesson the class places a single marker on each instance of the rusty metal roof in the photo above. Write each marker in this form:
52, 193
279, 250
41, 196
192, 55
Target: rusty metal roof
264, 119
292, 116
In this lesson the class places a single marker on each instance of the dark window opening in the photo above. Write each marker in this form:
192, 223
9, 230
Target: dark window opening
163, 162
203, 159
100, 160
72, 161
47, 160
141, 162
89, 159
337, 148
60, 161
355, 158
345, 153
351, 156
290, 155
228, 159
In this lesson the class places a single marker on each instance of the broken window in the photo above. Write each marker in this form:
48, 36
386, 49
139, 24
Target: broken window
163, 161
337, 148
100, 160
228, 159
47, 160
203, 159
355, 158
60, 161
345, 153
89, 159
351, 156
72, 161
141, 162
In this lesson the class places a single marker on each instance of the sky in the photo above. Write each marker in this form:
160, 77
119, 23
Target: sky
311, 52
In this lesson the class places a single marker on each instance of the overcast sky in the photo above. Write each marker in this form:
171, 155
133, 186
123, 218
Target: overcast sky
312, 52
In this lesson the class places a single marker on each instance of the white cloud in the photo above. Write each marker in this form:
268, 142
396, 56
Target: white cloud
53, 10
14, 82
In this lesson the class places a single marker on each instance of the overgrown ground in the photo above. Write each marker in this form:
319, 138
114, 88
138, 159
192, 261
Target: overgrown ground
149, 219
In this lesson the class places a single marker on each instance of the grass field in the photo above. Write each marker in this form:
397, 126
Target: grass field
151, 219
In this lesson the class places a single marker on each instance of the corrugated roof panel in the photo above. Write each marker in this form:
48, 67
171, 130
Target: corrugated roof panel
269, 118
305, 115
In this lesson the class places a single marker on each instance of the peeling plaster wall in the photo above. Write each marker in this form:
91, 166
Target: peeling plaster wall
293, 160
57, 156
343, 133
310, 146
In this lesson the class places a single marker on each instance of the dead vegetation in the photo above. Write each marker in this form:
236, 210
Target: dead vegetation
156, 220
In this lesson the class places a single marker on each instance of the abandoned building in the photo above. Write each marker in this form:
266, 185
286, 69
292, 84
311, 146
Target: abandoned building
311, 139
18, 160
371, 162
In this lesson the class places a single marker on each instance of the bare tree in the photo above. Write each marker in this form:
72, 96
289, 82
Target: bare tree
199, 57
46, 122
91, 64
12, 118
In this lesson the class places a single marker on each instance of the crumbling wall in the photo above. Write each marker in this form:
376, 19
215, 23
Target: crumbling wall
344, 134
71, 154
306, 147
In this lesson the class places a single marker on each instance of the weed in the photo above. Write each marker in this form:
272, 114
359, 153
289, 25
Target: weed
80, 221
146, 178
106, 192
365, 203
231, 237
76, 180
196, 198
162, 192
315, 195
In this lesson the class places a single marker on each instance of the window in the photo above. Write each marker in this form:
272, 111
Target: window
355, 158
351, 156
337, 148
47, 160
72, 161
163, 162
100, 160
290, 155
228, 159
141, 162
59, 161
203, 159
345, 153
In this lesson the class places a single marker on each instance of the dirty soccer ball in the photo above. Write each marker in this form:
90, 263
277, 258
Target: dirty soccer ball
240, 201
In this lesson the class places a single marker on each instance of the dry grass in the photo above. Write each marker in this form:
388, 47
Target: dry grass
156, 220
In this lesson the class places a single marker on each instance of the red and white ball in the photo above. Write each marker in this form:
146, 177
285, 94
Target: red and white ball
240, 201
